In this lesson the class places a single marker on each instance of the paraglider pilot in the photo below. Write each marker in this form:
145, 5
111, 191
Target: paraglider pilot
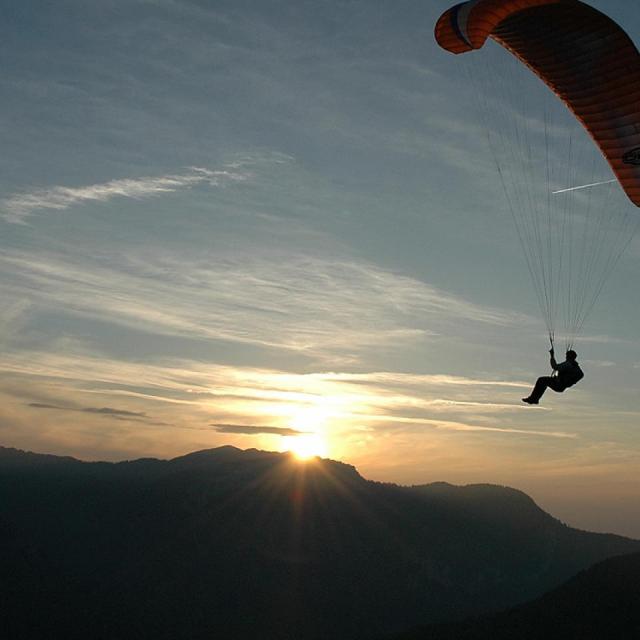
565, 375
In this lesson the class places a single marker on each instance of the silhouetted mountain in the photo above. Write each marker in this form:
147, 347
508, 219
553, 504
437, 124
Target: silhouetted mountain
249, 544
601, 602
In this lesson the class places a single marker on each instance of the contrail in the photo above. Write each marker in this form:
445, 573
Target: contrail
585, 186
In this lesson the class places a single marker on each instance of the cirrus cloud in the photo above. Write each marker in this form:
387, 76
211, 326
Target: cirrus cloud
18, 207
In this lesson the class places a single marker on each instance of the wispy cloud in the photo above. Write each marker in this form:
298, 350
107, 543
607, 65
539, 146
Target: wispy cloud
451, 425
296, 302
18, 207
12, 315
195, 382
253, 430
604, 339
195, 391
108, 412
388, 378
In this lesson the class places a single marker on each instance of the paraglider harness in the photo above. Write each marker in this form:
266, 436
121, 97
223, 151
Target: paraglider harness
568, 377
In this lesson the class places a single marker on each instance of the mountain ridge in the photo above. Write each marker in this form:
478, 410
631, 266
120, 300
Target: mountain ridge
253, 544
602, 601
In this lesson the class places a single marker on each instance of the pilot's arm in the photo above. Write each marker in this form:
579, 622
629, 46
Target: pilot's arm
552, 362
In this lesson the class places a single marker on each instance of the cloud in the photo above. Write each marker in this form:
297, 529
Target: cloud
393, 378
330, 308
12, 316
191, 382
241, 397
600, 363
253, 431
450, 425
604, 339
44, 405
108, 412
18, 207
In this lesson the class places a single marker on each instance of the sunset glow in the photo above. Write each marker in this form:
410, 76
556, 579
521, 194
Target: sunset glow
307, 446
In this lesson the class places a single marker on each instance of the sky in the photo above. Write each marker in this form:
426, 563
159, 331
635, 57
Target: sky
275, 224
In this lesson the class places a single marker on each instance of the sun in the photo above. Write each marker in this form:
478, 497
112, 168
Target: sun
306, 446
310, 426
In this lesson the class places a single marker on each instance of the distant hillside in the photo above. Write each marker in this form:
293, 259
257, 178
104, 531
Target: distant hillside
246, 545
601, 602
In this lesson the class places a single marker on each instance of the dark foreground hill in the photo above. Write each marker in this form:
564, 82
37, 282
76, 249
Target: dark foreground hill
602, 602
244, 545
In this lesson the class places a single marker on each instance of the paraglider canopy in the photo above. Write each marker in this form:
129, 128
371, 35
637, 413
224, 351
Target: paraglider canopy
581, 54
573, 221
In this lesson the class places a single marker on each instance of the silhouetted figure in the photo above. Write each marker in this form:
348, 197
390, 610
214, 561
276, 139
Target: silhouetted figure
566, 374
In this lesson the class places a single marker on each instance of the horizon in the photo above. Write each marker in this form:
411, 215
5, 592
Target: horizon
277, 225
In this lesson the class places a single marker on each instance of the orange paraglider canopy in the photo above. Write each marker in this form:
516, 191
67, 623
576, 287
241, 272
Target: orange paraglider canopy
582, 55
